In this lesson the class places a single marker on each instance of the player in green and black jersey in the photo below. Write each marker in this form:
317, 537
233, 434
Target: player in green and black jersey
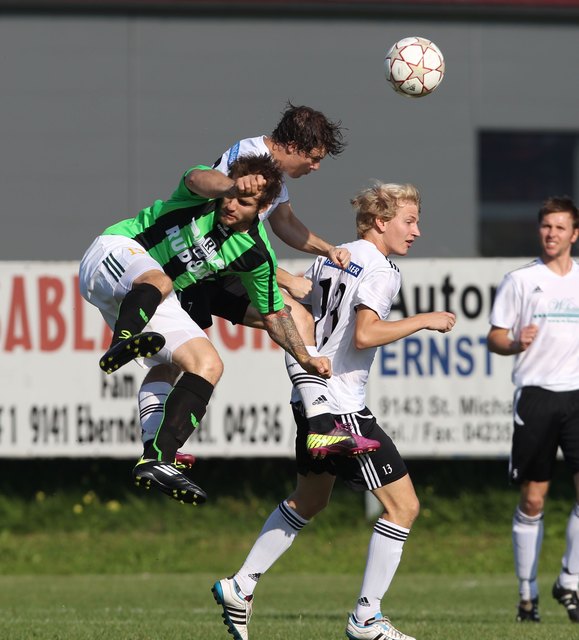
193, 238
131, 273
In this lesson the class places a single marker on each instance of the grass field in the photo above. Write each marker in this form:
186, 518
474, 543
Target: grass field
85, 556
287, 607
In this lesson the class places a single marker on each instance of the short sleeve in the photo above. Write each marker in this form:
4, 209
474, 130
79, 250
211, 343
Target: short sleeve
506, 305
378, 289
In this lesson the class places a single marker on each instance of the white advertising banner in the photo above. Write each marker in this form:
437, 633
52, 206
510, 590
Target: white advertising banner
445, 394
436, 395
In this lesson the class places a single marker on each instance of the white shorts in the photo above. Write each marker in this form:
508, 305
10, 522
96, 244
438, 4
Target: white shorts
106, 274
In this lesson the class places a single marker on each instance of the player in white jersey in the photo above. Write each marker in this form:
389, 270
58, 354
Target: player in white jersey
301, 140
350, 308
535, 317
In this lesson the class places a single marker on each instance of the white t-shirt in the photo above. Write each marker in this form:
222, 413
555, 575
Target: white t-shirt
247, 147
534, 294
371, 280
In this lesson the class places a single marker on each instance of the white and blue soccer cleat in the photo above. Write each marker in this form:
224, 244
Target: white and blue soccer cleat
236, 609
377, 628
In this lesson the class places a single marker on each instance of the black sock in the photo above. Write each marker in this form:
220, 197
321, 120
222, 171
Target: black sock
137, 308
185, 406
322, 423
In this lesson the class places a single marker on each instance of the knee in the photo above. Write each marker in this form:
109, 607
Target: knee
403, 513
408, 512
414, 510
165, 285
532, 505
218, 370
162, 373
158, 279
200, 357
308, 506
210, 368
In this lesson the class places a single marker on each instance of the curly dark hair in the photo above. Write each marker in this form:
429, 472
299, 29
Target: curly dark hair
560, 204
309, 129
263, 165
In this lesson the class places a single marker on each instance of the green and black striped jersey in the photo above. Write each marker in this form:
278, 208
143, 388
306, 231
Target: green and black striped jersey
184, 235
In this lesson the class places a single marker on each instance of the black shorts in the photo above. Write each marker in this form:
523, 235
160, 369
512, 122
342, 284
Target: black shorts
361, 473
224, 297
544, 421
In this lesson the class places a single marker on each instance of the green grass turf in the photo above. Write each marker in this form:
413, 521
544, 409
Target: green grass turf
83, 555
287, 607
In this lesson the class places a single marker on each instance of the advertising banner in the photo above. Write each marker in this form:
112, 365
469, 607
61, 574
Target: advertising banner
436, 395
445, 394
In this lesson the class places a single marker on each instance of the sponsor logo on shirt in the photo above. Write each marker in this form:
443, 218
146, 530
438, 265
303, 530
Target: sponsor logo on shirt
233, 154
560, 310
199, 258
353, 268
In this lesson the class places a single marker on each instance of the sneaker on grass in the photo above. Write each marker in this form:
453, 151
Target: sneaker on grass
528, 611
170, 479
377, 628
569, 599
236, 609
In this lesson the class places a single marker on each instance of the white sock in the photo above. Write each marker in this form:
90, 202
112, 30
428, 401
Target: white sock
569, 576
152, 396
527, 541
276, 537
384, 553
312, 391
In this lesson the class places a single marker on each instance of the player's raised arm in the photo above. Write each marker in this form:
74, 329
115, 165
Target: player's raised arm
289, 228
211, 183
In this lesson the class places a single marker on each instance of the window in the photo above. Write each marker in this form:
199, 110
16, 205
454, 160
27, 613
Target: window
517, 172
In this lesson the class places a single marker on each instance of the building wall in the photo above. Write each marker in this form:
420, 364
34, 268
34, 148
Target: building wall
100, 115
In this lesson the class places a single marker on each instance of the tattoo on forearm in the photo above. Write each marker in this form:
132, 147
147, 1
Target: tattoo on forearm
283, 331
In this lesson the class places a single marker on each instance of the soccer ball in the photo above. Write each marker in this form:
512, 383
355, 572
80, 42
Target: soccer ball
414, 67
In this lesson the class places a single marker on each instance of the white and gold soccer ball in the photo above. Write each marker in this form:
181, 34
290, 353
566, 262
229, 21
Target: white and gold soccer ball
414, 67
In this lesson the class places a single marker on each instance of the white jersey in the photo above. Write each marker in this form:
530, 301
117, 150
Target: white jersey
371, 280
534, 294
248, 147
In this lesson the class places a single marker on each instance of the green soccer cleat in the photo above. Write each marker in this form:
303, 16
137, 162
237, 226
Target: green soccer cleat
141, 345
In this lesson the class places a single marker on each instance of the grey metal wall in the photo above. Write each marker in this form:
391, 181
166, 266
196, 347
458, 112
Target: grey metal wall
100, 115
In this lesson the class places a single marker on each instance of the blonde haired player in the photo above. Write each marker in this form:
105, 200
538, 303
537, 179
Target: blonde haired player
350, 308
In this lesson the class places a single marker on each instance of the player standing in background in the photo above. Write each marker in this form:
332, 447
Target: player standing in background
535, 317
350, 308
300, 141
131, 272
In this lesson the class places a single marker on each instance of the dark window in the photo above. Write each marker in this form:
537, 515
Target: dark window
517, 172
